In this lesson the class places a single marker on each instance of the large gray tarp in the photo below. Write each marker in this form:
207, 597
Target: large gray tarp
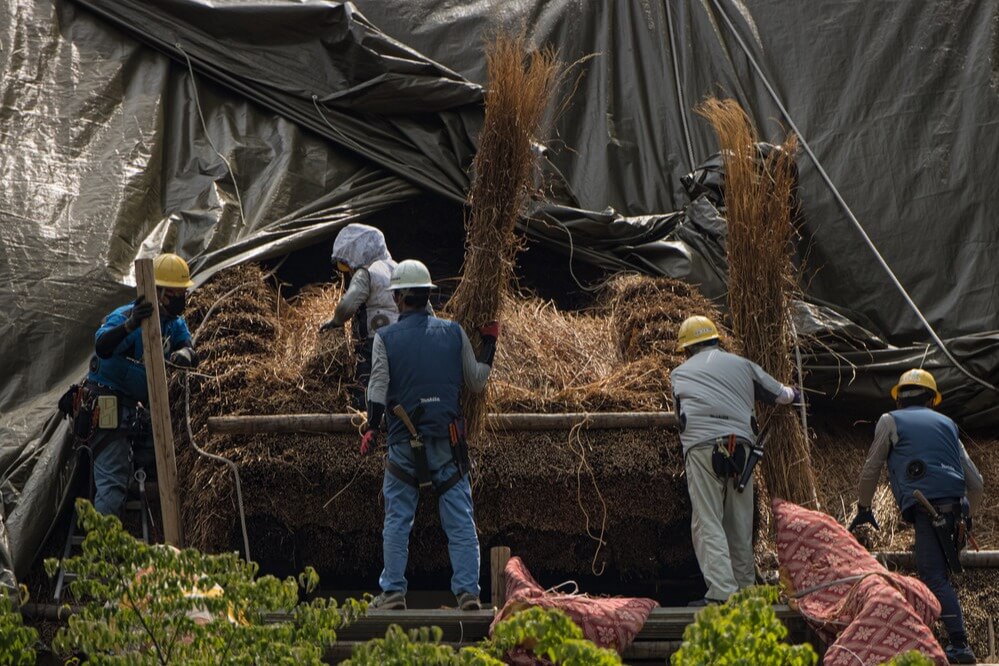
326, 114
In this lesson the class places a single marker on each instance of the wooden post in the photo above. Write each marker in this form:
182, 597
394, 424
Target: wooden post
498, 557
159, 406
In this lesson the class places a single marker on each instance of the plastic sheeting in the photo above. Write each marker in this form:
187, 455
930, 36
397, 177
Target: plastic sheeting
324, 116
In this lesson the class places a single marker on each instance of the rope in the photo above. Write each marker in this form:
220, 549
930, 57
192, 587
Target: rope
844, 206
204, 127
575, 437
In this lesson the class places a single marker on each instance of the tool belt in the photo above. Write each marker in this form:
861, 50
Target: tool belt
93, 407
423, 478
961, 522
728, 457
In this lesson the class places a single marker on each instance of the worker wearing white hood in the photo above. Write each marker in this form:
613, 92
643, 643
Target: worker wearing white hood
360, 254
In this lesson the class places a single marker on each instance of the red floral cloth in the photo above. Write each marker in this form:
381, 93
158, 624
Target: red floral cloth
610, 622
870, 618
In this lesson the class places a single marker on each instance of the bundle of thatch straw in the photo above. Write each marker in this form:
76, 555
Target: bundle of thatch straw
760, 203
503, 169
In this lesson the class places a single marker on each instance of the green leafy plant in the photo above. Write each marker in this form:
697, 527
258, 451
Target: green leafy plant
910, 658
744, 631
547, 633
143, 604
17, 642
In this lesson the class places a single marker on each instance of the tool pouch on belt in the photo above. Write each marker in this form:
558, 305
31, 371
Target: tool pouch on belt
80, 404
459, 446
139, 425
728, 457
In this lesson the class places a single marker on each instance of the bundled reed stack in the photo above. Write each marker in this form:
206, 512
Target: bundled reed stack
760, 200
503, 170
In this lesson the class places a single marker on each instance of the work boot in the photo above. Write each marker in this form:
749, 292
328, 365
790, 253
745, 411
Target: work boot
388, 601
469, 602
700, 603
960, 653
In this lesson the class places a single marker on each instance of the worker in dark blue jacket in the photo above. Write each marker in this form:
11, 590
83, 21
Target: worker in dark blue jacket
120, 436
924, 453
419, 366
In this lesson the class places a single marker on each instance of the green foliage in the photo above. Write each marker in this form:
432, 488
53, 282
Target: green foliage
910, 658
17, 642
550, 634
417, 646
547, 633
145, 604
744, 631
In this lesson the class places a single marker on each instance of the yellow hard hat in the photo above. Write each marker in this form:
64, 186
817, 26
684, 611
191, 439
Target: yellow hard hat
917, 377
171, 271
694, 330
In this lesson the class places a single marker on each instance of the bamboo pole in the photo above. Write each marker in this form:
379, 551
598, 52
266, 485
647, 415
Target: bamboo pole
327, 423
159, 407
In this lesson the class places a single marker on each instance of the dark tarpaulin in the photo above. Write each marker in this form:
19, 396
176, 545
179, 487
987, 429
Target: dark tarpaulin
327, 115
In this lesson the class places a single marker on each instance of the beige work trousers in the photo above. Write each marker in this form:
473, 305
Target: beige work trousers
721, 525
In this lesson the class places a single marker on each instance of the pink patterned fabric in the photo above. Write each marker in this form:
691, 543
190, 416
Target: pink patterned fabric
868, 619
611, 622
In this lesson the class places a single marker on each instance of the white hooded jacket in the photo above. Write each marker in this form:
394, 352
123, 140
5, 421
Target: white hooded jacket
363, 248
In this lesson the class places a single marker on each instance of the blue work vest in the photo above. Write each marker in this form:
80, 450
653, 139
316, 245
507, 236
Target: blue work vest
124, 372
930, 438
424, 358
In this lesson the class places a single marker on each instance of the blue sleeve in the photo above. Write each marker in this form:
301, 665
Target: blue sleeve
116, 318
180, 336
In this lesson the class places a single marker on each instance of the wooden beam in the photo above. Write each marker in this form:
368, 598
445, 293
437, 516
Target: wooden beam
498, 557
324, 423
971, 559
159, 407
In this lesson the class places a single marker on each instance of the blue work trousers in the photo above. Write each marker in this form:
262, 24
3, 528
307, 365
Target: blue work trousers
455, 508
933, 570
112, 467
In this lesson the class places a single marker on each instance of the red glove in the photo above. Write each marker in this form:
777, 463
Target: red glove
368, 442
490, 329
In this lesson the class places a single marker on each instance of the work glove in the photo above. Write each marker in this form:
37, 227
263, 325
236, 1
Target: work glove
184, 358
328, 325
142, 309
368, 442
798, 396
864, 517
490, 330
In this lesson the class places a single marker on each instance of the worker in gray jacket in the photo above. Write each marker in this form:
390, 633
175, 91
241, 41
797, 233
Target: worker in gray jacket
714, 392
419, 366
923, 453
360, 254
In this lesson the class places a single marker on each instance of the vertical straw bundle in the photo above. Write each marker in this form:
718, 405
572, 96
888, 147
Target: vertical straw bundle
518, 93
760, 200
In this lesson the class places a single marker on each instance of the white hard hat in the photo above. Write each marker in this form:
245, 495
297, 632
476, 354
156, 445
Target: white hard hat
411, 274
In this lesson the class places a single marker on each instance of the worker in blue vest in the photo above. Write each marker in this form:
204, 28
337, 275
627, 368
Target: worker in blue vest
924, 453
419, 365
120, 436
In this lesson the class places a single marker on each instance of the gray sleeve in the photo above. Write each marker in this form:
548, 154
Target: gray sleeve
767, 389
885, 435
475, 373
353, 298
378, 382
974, 486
